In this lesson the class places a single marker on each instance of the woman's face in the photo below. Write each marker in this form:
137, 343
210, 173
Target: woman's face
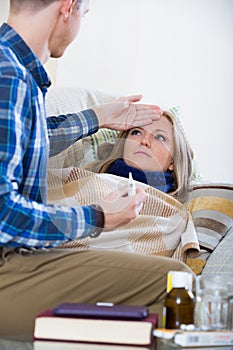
150, 148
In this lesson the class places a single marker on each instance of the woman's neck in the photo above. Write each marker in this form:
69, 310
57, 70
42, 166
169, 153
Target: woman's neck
163, 181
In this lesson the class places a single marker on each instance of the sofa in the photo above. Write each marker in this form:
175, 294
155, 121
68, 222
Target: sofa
210, 204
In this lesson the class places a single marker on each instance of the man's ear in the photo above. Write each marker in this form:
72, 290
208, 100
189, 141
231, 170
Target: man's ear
66, 8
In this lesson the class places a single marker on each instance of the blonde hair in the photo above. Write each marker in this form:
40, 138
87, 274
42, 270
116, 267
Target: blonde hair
182, 158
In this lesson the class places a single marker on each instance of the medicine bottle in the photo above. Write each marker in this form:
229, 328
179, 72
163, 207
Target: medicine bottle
179, 304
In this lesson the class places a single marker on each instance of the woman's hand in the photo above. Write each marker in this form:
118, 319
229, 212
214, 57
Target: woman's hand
119, 209
124, 114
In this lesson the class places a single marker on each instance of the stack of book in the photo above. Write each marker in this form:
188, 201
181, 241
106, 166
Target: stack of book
95, 323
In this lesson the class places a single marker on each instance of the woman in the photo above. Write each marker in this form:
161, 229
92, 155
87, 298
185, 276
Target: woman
158, 155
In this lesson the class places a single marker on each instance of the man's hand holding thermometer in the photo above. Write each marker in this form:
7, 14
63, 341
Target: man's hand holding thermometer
122, 206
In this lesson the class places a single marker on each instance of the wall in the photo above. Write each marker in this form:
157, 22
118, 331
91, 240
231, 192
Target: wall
176, 52
4, 10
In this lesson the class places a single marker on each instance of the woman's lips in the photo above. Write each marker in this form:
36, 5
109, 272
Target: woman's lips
142, 153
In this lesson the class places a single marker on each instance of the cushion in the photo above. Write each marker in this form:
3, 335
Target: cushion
211, 207
196, 175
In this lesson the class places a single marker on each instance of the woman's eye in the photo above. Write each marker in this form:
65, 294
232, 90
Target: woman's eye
160, 137
135, 132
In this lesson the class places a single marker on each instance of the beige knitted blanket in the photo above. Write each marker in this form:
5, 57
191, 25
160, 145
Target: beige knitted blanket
164, 226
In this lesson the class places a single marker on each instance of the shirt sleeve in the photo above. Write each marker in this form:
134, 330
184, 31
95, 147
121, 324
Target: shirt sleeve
64, 130
30, 224
26, 221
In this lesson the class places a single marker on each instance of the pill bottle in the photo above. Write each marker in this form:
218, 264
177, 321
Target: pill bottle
179, 304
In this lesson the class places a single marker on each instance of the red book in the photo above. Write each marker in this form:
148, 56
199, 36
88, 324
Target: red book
95, 330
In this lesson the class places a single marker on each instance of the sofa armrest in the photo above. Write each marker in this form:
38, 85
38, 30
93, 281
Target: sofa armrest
221, 260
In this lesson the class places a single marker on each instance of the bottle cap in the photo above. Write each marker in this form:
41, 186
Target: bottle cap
179, 279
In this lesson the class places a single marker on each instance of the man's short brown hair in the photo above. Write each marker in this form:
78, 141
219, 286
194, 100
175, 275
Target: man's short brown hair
18, 5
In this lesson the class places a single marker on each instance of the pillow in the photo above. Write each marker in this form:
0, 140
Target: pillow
211, 207
62, 100
196, 175
92, 143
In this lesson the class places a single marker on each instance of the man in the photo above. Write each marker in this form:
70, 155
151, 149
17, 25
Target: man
34, 278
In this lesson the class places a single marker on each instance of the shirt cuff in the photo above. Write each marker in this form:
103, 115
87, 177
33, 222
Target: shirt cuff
96, 231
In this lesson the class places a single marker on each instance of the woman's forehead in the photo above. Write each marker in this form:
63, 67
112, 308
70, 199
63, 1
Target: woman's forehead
162, 124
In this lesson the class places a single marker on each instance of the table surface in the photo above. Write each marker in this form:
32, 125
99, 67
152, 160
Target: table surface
14, 344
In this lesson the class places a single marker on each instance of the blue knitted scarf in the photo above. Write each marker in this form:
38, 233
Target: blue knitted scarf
163, 181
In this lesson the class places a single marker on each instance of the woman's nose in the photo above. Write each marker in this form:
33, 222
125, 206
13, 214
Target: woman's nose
145, 141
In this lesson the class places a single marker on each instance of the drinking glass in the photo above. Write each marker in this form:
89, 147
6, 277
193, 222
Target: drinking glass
212, 303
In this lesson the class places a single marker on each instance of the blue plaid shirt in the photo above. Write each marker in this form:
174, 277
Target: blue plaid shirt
25, 135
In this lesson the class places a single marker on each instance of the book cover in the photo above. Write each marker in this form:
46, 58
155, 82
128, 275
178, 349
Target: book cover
61, 345
103, 310
95, 330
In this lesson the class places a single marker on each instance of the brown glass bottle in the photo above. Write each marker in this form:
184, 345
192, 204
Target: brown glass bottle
179, 308
179, 304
